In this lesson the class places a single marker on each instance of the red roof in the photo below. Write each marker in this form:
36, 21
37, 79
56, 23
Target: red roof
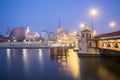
19, 31
117, 33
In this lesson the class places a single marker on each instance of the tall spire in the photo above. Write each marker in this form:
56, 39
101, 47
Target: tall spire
59, 27
59, 24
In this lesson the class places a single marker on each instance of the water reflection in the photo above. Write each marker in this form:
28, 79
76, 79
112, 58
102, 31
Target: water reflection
89, 67
35, 64
25, 58
109, 71
69, 65
8, 52
25, 62
24, 54
73, 64
40, 54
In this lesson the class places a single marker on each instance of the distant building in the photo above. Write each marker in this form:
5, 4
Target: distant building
64, 35
51, 36
5, 38
32, 36
44, 35
23, 33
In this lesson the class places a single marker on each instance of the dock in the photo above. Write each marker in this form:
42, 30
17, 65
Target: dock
91, 52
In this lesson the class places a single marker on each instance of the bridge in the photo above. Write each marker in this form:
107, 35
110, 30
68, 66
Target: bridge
109, 43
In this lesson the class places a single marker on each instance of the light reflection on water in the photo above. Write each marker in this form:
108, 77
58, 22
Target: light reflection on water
37, 64
73, 64
8, 53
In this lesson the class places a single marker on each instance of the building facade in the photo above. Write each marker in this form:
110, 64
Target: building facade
32, 36
23, 34
86, 38
44, 35
51, 36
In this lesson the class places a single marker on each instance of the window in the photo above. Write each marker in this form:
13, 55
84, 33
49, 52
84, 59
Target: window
83, 35
108, 45
116, 45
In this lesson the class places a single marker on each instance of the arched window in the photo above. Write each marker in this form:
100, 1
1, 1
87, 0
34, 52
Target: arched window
108, 45
83, 35
89, 35
116, 45
102, 44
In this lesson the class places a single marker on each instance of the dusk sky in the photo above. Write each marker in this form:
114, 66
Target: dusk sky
45, 14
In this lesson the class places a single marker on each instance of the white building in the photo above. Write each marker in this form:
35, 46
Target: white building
32, 36
51, 36
44, 35
85, 38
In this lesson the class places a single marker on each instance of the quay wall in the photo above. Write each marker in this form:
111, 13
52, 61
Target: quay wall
28, 45
24, 45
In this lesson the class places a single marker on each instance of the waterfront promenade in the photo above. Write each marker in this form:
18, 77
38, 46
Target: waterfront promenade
33, 45
24, 45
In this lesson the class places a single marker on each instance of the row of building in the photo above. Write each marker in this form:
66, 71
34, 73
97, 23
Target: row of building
24, 34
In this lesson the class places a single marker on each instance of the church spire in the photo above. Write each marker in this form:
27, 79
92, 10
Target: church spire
59, 27
59, 24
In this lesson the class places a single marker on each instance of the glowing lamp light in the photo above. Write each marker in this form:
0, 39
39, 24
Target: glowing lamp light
82, 25
94, 33
93, 12
112, 24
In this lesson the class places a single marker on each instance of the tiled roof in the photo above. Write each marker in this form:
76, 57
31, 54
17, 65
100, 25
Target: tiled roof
19, 31
112, 34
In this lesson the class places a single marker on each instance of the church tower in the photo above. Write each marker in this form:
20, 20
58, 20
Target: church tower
28, 28
59, 30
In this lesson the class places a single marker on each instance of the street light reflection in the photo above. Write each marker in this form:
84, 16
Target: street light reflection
8, 53
73, 64
24, 53
40, 54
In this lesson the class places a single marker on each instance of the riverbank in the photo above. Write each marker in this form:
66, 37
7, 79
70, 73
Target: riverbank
28, 45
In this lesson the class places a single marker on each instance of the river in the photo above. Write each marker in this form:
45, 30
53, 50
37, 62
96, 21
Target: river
37, 64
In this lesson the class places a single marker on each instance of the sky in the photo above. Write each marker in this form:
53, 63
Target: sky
45, 14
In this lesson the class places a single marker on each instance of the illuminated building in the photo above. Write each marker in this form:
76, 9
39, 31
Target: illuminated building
64, 35
85, 38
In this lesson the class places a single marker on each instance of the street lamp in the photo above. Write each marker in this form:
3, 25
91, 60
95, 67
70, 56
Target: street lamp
93, 13
94, 33
82, 25
112, 25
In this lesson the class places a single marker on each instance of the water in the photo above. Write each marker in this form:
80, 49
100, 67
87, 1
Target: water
37, 64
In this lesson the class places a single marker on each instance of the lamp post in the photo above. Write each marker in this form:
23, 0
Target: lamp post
94, 33
93, 13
